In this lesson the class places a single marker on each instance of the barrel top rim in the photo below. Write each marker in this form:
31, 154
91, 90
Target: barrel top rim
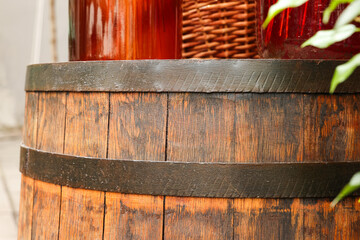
189, 61
190, 75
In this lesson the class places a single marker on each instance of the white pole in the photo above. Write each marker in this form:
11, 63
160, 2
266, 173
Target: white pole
38, 29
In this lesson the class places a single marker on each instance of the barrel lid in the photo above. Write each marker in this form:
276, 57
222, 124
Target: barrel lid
207, 76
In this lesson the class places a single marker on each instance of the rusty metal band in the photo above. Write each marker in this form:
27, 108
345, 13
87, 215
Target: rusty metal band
223, 180
207, 76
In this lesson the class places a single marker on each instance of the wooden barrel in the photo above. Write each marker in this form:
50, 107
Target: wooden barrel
188, 149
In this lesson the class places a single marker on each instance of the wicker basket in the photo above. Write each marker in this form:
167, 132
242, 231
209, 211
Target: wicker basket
219, 29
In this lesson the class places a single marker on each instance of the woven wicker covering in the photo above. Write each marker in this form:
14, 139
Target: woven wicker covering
219, 29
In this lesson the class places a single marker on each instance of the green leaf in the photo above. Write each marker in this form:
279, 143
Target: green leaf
332, 6
279, 6
324, 38
349, 14
353, 185
343, 71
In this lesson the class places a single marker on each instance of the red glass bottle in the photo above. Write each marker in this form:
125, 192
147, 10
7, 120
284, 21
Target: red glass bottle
125, 29
287, 31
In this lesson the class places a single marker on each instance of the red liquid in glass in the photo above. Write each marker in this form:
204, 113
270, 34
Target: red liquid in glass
125, 29
285, 34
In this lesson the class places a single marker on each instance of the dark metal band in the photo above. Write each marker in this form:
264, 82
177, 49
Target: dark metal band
251, 75
228, 180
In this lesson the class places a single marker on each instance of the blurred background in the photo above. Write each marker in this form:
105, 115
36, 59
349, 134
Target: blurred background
26, 38
31, 31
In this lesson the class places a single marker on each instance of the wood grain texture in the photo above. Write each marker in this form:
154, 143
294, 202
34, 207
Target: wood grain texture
263, 219
46, 211
198, 218
201, 128
137, 130
30, 119
25, 209
269, 128
138, 126
51, 122
51, 126
318, 218
81, 214
296, 128
130, 216
346, 219
297, 218
331, 133
27, 184
331, 128
86, 130
319, 221
87, 124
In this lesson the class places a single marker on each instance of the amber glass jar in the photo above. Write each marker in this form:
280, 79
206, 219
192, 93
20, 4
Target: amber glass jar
124, 29
285, 34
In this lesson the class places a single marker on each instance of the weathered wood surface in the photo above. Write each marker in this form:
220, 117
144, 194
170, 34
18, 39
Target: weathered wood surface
50, 137
46, 211
295, 128
25, 209
200, 128
269, 128
27, 184
192, 127
86, 128
331, 128
137, 131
